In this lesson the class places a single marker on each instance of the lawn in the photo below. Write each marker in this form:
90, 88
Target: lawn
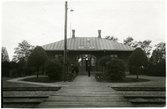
40, 80
14, 93
6, 83
130, 80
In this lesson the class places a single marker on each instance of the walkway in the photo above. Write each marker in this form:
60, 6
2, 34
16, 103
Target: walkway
85, 92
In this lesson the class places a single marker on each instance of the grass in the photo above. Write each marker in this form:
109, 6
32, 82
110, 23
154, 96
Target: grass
6, 83
40, 80
130, 80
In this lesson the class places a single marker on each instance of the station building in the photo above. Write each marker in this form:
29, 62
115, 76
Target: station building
81, 49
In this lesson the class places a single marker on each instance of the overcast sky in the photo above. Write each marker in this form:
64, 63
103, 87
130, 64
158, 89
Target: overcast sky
42, 22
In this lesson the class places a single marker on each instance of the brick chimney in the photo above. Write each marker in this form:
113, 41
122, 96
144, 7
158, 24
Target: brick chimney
73, 33
99, 33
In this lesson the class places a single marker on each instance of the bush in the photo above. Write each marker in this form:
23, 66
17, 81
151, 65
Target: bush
158, 69
5, 69
70, 77
24, 72
101, 77
54, 69
115, 70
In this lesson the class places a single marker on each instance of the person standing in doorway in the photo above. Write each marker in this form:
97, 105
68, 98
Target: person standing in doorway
89, 69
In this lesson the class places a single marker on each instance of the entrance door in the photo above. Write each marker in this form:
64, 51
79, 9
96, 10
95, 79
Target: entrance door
83, 59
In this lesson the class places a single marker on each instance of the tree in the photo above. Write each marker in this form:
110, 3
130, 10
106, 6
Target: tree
112, 38
158, 53
37, 58
138, 59
4, 55
161, 47
145, 45
130, 42
23, 51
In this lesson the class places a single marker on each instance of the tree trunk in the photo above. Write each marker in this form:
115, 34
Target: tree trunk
37, 71
137, 72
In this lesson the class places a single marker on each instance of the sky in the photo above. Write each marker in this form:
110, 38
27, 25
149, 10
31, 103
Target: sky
41, 22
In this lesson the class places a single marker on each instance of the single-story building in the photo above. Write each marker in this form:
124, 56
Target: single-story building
79, 49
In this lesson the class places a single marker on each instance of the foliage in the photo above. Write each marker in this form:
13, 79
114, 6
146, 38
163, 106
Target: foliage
54, 69
158, 54
145, 45
112, 38
157, 62
102, 77
104, 60
5, 68
23, 51
138, 58
4, 55
13, 65
130, 42
22, 63
161, 46
24, 71
70, 77
61, 60
158, 69
37, 58
116, 69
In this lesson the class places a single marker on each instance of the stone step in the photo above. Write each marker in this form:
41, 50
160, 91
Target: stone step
83, 99
31, 88
25, 96
16, 100
145, 96
151, 100
22, 102
139, 88
85, 104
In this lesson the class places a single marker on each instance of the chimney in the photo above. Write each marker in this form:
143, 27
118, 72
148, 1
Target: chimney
99, 33
73, 33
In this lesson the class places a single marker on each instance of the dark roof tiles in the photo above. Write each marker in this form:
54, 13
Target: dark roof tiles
88, 43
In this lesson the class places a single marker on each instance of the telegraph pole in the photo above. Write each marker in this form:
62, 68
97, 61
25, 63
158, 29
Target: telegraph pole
65, 43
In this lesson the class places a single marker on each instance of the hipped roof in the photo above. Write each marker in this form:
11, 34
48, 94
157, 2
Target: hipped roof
87, 44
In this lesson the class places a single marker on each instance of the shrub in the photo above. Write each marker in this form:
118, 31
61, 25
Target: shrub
70, 77
37, 58
24, 72
115, 70
54, 69
138, 58
158, 69
5, 68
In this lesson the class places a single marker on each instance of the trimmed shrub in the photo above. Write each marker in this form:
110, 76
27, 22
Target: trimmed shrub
54, 69
115, 70
133, 70
138, 59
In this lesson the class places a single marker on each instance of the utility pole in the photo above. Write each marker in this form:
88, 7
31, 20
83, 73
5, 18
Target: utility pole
65, 43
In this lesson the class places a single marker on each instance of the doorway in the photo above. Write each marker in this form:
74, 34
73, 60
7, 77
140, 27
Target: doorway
83, 59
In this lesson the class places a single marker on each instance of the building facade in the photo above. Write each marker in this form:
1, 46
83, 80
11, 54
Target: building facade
82, 49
